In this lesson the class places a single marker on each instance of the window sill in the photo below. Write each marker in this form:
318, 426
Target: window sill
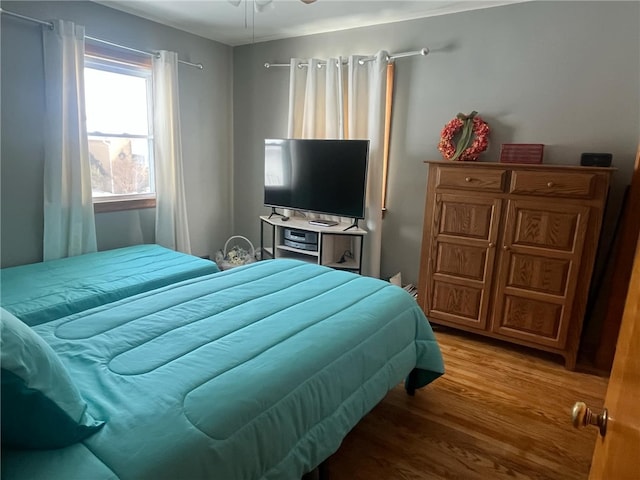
117, 205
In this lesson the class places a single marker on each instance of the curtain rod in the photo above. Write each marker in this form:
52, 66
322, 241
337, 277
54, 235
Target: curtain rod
98, 40
393, 56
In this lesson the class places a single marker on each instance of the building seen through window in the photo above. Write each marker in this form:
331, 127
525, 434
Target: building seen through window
119, 128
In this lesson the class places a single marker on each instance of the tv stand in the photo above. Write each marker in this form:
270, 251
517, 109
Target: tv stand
334, 246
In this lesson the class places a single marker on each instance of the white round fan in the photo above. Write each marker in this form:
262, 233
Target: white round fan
260, 5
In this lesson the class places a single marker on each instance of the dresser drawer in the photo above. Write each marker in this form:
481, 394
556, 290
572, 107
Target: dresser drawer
555, 184
479, 179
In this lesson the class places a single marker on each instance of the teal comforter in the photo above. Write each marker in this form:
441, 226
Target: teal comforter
45, 291
254, 373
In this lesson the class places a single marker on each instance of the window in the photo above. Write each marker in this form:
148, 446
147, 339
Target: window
120, 130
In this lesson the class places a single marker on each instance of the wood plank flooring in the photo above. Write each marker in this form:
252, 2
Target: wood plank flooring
499, 412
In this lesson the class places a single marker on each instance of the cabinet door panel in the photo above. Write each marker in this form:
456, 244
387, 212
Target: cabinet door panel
463, 218
531, 317
461, 260
457, 303
462, 252
539, 266
547, 229
542, 274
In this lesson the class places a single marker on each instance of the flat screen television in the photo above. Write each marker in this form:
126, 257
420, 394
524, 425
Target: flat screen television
321, 176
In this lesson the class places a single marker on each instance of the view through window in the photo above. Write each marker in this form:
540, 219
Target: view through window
119, 127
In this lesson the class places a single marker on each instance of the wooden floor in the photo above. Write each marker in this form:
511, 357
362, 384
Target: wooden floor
498, 413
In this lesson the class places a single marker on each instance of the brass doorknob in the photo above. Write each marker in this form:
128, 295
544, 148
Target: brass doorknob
582, 416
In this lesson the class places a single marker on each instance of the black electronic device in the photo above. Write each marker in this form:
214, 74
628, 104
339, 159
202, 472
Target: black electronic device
300, 235
596, 159
312, 247
300, 239
322, 176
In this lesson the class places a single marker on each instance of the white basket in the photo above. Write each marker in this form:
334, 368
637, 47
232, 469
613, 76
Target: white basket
236, 256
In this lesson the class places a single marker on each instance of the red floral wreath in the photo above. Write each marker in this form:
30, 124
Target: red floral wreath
469, 124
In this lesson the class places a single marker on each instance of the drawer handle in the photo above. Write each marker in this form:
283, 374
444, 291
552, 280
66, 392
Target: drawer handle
550, 184
467, 179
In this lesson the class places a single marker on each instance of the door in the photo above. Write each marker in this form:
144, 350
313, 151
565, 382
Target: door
539, 267
461, 261
616, 453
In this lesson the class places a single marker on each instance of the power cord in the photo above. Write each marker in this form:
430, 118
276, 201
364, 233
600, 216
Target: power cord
345, 255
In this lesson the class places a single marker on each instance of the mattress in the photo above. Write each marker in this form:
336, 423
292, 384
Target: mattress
41, 292
258, 372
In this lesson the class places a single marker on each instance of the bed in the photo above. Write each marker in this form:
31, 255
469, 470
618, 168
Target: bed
41, 292
257, 372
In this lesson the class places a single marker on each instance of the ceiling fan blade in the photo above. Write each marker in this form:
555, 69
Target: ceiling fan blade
261, 5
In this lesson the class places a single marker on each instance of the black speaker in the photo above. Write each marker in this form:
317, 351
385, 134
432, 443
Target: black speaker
596, 159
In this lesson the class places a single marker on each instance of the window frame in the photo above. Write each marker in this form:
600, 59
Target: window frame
117, 61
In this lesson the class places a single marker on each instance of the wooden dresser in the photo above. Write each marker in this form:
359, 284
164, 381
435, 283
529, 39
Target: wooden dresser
508, 250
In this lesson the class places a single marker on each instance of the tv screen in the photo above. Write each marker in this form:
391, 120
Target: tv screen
322, 176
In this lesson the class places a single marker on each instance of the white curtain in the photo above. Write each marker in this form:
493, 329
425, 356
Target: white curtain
171, 209
345, 101
69, 222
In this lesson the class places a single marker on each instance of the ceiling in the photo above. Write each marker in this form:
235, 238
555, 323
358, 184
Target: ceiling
238, 25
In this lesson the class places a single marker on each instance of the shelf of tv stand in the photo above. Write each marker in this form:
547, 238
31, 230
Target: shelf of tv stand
287, 248
333, 242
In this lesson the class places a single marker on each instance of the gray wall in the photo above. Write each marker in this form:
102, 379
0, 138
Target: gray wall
206, 112
565, 74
